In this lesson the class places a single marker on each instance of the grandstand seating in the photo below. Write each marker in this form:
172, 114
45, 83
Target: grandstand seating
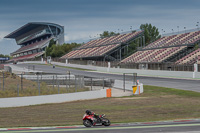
153, 55
166, 47
100, 47
190, 58
26, 57
90, 52
32, 36
110, 40
174, 40
33, 46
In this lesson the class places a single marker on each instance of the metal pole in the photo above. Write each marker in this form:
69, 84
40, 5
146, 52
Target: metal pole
103, 83
120, 52
58, 87
21, 82
66, 81
56, 80
17, 89
75, 84
124, 81
41, 77
69, 79
91, 84
38, 84
53, 81
3, 80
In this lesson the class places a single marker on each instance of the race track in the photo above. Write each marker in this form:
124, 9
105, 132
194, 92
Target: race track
184, 84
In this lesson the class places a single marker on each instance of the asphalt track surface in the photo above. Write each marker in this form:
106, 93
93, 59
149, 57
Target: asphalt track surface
184, 84
180, 127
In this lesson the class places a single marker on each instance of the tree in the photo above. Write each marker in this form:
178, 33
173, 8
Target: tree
1, 55
108, 34
54, 50
151, 33
49, 48
57, 51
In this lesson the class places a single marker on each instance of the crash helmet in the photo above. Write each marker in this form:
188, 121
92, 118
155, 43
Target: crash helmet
88, 112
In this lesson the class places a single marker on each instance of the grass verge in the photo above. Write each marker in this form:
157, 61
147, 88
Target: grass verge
155, 104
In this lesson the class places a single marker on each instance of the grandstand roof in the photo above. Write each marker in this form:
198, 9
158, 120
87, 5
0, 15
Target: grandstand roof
29, 26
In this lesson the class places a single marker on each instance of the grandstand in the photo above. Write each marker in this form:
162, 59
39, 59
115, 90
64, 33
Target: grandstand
33, 38
108, 48
178, 49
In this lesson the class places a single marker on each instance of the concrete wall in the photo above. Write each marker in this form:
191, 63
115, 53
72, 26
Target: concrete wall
58, 98
159, 73
173, 74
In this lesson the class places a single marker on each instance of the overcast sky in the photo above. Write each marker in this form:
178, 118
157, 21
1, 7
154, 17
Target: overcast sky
84, 18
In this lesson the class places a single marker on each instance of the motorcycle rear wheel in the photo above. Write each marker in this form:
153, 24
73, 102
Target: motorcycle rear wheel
87, 123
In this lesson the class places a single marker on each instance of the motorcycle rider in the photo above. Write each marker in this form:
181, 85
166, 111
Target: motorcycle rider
89, 112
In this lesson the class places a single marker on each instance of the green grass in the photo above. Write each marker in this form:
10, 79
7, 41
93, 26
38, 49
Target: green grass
169, 91
155, 104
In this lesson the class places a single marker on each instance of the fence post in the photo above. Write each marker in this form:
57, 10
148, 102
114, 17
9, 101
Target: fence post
58, 83
41, 77
66, 81
53, 81
3, 81
69, 79
134, 77
18, 90
56, 80
124, 81
21, 82
103, 83
91, 83
38, 84
75, 84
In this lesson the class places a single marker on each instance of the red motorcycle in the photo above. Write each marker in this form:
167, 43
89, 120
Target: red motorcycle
91, 119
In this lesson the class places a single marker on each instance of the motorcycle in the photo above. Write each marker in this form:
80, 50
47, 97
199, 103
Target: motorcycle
95, 120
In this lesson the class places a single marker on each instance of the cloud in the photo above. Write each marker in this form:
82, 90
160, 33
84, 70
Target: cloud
2, 35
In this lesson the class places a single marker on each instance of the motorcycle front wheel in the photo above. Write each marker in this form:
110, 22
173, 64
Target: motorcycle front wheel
106, 122
87, 123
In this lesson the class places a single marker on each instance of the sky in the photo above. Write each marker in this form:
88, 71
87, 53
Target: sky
83, 19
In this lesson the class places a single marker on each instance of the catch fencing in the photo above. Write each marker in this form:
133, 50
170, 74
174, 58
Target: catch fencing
44, 84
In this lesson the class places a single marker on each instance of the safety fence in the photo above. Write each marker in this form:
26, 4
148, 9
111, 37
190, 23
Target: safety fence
45, 84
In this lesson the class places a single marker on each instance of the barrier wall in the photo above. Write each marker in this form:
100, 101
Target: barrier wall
173, 74
57, 98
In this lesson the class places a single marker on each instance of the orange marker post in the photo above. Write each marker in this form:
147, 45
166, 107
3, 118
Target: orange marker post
108, 93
